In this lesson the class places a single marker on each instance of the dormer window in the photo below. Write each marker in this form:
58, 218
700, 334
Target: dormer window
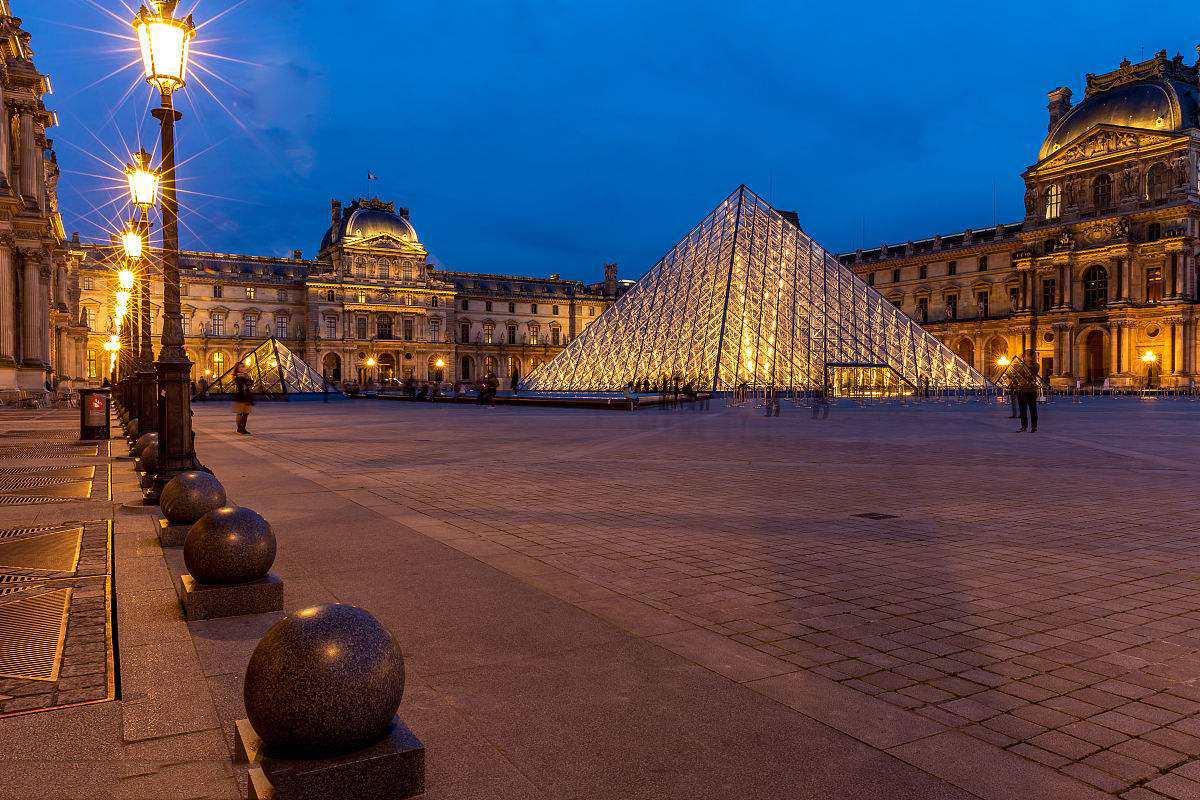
1102, 192
1053, 207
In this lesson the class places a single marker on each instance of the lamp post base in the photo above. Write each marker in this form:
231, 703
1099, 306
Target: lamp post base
147, 400
176, 450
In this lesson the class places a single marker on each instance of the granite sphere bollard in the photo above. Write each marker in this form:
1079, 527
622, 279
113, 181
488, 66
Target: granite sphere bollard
190, 495
144, 440
229, 545
323, 681
149, 455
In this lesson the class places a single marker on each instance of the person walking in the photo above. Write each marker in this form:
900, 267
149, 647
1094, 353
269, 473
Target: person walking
243, 398
1025, 381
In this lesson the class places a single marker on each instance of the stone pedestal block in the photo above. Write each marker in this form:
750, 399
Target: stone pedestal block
209, 601
393, 767
171, 535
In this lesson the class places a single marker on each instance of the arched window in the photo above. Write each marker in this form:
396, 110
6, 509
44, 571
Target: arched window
1156, 182
1102, 192
489, 366
329, 296
464, 368
1095, 288
1053, 201
218, 362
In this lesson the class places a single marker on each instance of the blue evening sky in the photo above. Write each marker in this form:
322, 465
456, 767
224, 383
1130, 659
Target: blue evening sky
535, 137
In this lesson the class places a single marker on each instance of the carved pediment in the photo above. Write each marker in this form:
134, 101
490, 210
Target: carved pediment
1102, 141
1115, 230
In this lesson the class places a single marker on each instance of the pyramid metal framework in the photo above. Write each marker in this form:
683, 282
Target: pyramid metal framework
277, 372
747, 297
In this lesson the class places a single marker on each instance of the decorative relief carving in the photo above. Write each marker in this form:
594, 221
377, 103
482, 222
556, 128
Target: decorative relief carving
1102, 143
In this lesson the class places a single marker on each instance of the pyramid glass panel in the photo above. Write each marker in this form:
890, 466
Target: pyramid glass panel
747, 297
277, 372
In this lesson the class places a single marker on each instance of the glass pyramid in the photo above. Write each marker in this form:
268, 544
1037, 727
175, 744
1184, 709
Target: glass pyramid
747, 297
277, 372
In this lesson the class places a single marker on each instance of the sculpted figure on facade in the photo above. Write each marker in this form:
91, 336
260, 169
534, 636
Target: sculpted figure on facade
1031, 195
1129, 180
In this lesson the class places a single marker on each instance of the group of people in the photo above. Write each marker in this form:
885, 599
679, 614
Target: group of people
672, 390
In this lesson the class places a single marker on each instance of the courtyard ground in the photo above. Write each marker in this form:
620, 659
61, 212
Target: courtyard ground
680, 604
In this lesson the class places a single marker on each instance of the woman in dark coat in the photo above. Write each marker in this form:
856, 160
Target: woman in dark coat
243, 399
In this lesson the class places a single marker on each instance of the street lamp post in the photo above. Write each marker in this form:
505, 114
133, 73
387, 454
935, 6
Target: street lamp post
143, 193
126, 325
164, 42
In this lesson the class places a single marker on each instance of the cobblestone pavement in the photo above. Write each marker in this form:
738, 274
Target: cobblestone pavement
1026, 600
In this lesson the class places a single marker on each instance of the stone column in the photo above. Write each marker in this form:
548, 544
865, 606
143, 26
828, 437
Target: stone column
8, 303
1114, 350
5, 144
30, 160
1126, 265
1177, 365
30, 297
1116, 281
1179, 261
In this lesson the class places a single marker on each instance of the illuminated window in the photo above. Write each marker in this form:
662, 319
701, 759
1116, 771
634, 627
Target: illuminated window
249, 324
1095, 288
533, 334
218, 324
89, 317
1156, 182
362, 297
92, 370
488, 331
87, 286
1154, 285
251, 292
1102, 192
1053, 204
489, 366
218, 362
281, 326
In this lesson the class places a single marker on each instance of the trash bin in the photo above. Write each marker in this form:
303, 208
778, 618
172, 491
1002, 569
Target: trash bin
94, 413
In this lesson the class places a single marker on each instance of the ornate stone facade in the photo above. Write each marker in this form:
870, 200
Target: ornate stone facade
40, 330
369, 294
1100, 277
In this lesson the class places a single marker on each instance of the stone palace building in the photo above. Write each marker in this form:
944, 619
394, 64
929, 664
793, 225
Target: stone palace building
369, 307
1100, 277
40, 329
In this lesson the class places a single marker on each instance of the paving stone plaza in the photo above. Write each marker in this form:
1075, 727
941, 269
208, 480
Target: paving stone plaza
897, 602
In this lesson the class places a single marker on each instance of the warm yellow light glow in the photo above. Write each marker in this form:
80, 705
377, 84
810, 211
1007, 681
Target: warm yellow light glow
143, 181
249, 361
123, 297
131, 241
113, 344
164, 43
125, 279
1004, 361
439, 363
371, 361
1149, 357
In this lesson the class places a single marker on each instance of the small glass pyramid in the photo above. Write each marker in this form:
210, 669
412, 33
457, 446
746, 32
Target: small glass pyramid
748, 299
278, 373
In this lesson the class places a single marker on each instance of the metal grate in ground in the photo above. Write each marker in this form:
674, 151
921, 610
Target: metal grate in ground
33, 628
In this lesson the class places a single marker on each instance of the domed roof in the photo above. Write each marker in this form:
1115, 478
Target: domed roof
1159, 104
366, 219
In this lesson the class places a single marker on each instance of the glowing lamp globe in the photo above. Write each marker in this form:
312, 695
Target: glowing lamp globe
131, 242
123, 298
1003, 361
164, 42
125, 279
1149, 357
142, 180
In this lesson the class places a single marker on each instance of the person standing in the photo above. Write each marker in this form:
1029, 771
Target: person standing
243, 398
1025, 381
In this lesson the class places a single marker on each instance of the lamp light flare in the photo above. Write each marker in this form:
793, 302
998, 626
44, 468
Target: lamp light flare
131, 241
125, 279
1149, 357
1003, 361
164, 42
142, 180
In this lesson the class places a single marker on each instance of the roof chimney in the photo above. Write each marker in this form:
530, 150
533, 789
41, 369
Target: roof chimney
335, 213
1059, 105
